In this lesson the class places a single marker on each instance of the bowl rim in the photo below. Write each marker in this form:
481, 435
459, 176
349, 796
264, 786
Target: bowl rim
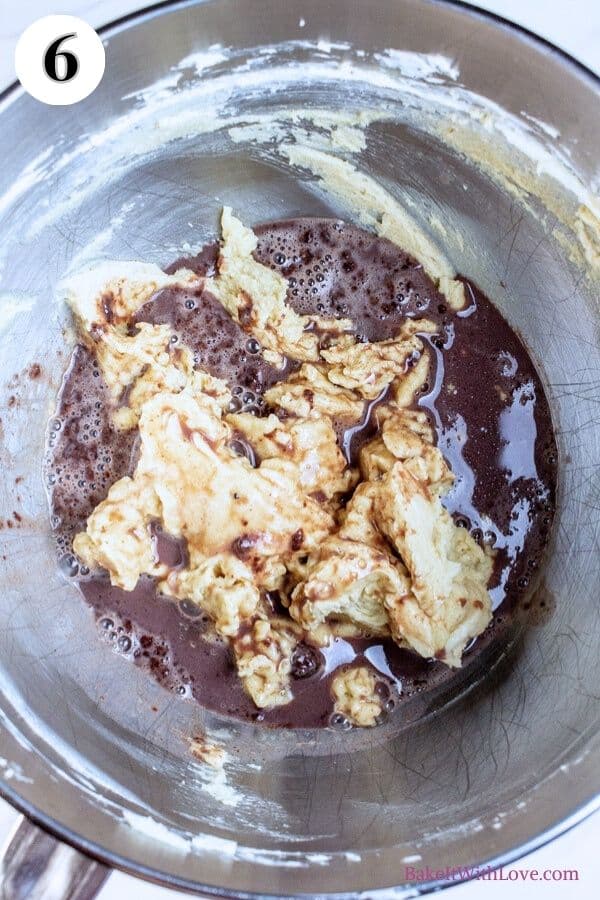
114, 860
526, 34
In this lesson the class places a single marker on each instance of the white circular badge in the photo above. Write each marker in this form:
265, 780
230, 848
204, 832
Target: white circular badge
59, 60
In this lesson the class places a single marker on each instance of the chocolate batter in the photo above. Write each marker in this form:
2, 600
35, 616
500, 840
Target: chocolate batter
485, 399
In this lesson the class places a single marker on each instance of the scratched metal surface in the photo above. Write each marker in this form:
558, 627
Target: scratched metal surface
514, 758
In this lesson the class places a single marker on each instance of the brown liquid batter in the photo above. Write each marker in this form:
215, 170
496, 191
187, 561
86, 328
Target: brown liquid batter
486, 402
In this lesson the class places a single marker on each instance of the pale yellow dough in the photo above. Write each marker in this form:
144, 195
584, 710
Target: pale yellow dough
387, 562
355, 696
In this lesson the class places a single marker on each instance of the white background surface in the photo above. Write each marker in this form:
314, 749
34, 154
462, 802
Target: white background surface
573, 25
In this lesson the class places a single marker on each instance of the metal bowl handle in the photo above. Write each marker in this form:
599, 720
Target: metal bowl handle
36, 866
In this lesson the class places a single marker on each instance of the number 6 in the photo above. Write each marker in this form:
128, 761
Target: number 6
51, 55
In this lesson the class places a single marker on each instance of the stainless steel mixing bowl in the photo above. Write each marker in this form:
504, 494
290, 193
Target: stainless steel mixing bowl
490, 137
